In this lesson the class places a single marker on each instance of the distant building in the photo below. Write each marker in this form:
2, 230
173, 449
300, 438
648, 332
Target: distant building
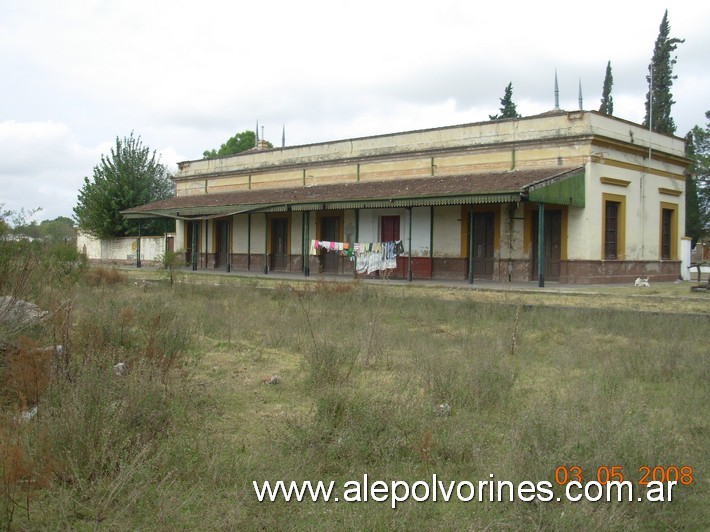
578, 197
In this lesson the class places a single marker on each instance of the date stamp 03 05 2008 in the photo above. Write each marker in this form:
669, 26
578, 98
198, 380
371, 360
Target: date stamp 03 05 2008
683, 475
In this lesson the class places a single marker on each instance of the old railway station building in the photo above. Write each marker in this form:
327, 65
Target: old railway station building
573, 197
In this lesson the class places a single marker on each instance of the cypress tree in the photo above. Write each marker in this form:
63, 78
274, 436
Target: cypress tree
659, 98
607, 106
507, 107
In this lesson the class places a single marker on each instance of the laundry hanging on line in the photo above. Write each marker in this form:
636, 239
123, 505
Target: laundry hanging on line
369, 257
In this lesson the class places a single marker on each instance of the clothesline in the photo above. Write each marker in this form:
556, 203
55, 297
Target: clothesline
370, 257
355, 248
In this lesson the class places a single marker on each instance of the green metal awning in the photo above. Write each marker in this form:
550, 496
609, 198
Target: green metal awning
566, 189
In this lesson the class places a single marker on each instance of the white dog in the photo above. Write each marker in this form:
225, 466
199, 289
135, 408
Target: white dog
641, 282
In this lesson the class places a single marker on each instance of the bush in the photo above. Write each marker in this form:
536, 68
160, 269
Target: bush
101, 276
65, 264
172, 261
94, 435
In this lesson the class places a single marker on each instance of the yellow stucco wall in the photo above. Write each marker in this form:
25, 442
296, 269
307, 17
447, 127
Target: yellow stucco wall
620, 158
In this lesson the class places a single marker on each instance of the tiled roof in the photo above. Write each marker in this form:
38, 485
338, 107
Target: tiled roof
400, 192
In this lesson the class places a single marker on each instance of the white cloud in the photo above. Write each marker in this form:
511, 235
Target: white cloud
188, 75
42, 165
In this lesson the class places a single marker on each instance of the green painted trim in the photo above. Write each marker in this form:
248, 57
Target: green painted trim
357, 225
431, 231
567, 190
470, 246
541, 246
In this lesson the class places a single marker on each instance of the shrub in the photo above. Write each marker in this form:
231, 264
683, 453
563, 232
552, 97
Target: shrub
64, 263
172, 261
100, 276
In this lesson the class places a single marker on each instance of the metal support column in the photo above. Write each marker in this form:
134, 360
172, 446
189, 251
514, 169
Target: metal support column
431, 232
307, 260
470, 246
304, 242
266, 241
229, 244
357, 225
249, 242
409, 252
138, 246
193, 259
357, 232
541, 246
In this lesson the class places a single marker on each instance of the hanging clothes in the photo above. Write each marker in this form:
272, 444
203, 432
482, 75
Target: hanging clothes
369, 257
399, 247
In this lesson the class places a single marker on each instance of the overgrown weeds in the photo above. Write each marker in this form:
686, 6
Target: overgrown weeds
72, 424
102, 276
373, 379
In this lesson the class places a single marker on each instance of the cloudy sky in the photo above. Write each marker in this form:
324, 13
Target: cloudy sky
187, 75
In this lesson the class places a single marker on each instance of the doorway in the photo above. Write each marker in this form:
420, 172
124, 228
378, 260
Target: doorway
483, 244
279, 244
552, 238
221, 257
330, 231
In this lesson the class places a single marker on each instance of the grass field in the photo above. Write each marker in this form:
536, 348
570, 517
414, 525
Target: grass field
591, 379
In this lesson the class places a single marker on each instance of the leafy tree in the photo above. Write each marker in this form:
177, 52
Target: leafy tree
15, 222
130, 176
240, 142
659, 98
30, 230
698, 186
4, 216
607, 106
59, 230
507, 107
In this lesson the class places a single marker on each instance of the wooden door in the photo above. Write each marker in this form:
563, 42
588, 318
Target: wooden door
552, 236
483, 250
330, 231
222, 239
389, 229
279, 244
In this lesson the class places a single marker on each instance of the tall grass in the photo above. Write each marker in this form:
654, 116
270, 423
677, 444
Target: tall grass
72, 426
373, 380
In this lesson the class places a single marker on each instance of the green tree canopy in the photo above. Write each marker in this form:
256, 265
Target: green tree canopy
607, 106
4, 216
61, 229
698, 185
240, 142
16, 222
130, 176
56, 231
507, 107
659, 99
